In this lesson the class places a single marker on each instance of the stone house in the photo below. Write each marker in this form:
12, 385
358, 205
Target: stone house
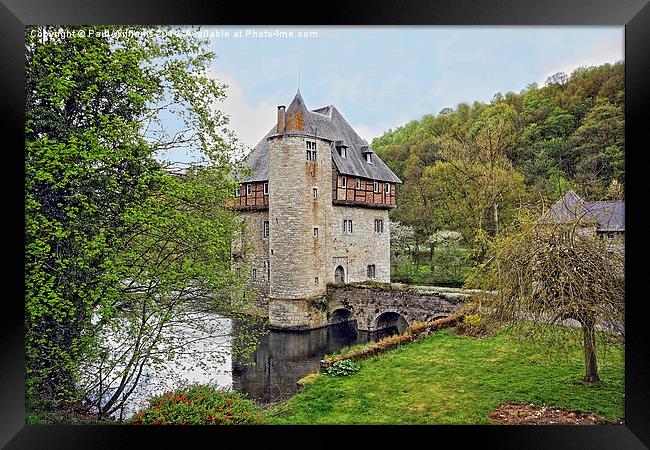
605, 219
315, 204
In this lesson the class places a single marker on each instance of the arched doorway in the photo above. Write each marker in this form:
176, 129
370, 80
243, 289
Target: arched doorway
339, 275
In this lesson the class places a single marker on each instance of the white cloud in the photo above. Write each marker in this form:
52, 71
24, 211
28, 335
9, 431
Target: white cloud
250, 122
368, 133
606, 51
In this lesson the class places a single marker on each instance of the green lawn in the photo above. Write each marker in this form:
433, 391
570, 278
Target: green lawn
450, 379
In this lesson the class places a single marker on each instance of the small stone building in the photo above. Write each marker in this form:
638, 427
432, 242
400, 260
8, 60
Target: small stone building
315, 205
603, 218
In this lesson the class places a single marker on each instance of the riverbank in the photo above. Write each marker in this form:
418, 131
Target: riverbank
452, 379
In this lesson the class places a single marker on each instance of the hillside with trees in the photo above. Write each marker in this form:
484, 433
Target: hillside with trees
469, 169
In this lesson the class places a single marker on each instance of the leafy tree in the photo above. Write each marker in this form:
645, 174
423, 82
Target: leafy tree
550, 272
598, 148
111, 236
402, 240
568, 133
485, 148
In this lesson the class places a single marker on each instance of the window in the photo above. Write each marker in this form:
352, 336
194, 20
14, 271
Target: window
347, 226
369, 157
387, 188
266, 228
376, 186
311, 150
371, 271
358, 185
249, 189
316, 280
254, 274
266, 188
237, 192
344, 182
343, 152
379, 226
315, 232
314, 192
267, 270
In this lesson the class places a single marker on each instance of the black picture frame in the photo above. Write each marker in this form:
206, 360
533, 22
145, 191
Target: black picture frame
634, 15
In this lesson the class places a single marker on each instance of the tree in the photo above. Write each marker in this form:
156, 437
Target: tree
487, 144
558, 78
110, 234
598, 148
402, 240
548, 272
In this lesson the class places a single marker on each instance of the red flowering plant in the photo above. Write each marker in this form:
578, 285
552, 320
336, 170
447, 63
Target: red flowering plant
199, 405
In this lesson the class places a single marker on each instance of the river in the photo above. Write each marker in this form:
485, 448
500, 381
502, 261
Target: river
269, 375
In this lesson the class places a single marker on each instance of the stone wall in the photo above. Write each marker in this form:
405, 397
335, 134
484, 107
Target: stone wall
355, 251
297, 314
298, 257
251, 252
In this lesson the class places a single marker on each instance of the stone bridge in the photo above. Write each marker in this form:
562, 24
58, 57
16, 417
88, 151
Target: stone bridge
373, 306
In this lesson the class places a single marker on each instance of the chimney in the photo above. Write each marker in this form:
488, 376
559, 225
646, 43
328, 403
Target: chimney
281, 119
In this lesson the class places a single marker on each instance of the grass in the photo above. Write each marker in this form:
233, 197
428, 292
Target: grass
451, 379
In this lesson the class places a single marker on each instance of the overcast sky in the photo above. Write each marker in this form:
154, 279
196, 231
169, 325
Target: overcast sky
382, 77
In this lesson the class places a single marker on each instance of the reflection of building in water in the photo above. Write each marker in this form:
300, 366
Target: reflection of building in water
282, 358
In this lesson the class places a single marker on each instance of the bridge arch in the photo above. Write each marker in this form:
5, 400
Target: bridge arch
340, 315
391, 318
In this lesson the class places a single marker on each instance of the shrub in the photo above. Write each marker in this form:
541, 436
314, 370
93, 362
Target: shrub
309, 379
343, 368
472, 319
199, 405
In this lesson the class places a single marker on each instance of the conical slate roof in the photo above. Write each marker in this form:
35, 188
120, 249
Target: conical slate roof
326, 123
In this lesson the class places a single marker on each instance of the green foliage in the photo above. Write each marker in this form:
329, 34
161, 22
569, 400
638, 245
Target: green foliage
465, 163
448, 267
472, 319
343, 368
199, 405
113, 237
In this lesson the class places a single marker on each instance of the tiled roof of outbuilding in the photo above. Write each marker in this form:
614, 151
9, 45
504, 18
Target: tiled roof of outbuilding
608, 215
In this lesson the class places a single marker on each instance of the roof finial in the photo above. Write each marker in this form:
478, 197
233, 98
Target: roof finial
298, 77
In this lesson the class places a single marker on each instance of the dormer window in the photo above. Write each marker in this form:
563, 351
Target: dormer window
369, 158
341, 148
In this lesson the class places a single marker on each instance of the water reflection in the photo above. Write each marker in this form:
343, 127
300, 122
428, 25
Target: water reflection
269, 375
284, 357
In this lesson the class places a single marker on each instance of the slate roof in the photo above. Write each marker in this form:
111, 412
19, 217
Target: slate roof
609, 215
326, 123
